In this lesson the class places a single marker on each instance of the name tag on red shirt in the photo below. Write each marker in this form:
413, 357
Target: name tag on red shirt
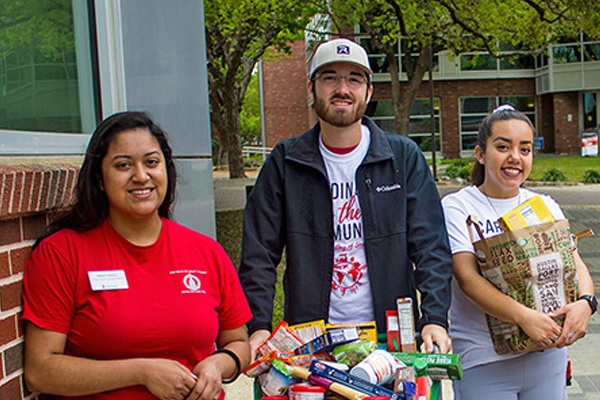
108, 280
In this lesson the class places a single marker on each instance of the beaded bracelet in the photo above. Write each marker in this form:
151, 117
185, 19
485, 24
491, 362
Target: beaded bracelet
236, 359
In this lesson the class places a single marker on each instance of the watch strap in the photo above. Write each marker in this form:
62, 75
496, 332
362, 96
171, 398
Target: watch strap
593, 303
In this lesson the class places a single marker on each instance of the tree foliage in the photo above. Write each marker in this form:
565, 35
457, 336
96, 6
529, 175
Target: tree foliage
44, 27
238, 33
417, 26
250, 128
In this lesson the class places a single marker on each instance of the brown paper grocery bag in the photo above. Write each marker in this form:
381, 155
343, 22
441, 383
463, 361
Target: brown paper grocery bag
534, 266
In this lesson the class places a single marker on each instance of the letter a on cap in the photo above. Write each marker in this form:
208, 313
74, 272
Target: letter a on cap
343, 49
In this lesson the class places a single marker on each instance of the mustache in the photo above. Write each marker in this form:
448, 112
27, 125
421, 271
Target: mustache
341, 97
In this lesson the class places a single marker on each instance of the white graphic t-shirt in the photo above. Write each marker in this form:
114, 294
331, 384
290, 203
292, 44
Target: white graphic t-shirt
469, 331
350, 288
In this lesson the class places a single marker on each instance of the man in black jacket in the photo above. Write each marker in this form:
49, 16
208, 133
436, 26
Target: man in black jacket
357, 211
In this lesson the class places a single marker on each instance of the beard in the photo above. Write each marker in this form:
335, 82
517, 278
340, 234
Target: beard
342, 118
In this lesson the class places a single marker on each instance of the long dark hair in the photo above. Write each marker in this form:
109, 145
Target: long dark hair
91, 204
503, 113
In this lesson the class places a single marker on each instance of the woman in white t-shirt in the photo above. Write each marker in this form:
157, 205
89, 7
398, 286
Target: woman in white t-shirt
504, 154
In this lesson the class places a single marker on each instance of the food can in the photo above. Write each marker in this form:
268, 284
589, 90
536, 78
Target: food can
306, 392
274, 398
275, 383
378, 368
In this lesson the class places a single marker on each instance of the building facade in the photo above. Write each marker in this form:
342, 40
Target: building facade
559, 91
64, 66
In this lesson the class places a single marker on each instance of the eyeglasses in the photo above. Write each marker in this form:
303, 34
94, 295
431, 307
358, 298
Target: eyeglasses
332, 79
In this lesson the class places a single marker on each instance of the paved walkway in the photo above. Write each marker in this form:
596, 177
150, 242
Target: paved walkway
584, 354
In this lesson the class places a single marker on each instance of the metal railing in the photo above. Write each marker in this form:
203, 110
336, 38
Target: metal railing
249, 150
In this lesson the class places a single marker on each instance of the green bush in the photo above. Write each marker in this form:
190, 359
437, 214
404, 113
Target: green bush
591, 176
454, 171
553, 175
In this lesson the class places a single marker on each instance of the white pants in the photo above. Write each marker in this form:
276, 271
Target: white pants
533, 376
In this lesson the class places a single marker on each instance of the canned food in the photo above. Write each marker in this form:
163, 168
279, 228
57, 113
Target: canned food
378, 368
306, 392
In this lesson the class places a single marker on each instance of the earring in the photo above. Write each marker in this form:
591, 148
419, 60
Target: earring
480, 161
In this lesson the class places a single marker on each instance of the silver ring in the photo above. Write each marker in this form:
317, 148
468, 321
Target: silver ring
570, 336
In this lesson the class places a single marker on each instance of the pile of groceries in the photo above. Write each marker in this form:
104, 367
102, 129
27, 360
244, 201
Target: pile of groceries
316, 360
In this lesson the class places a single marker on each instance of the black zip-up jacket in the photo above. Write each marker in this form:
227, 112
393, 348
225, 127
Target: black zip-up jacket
290, 206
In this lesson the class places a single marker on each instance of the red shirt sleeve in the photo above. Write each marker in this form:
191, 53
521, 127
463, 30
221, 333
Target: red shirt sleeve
48, 289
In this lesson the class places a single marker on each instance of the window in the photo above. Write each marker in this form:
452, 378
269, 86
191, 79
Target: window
590, 111
47, 80
474, 109
519, 62
485, 62
566, 54
477, 62
591, 52
419, 129
378, 62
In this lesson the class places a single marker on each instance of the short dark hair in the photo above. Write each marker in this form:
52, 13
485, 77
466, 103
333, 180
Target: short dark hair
485, 131
91, 204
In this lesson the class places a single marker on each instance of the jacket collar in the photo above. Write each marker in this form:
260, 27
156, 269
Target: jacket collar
306, 149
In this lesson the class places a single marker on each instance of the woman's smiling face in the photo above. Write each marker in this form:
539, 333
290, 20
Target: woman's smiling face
508, 157
134, 175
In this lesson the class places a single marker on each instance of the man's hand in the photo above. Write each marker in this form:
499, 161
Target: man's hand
435, 334
256, 339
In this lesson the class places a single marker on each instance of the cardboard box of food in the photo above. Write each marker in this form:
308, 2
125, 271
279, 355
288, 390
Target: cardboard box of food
439, 366
530, 213
328, 341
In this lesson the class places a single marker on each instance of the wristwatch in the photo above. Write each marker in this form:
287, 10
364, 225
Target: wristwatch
591, 301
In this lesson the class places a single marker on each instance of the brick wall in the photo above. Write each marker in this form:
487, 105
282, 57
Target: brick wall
286, 96
27, 195
566, 132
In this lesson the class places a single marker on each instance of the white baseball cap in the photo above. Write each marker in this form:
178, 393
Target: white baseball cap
340, 50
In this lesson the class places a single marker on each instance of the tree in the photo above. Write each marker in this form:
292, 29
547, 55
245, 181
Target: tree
416, 27
238, 33
250, 129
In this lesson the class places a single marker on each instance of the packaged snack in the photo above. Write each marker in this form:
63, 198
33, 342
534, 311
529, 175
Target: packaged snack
328, 341
353, 353
406, 322
439, 366
352, 382
393, 334
282, 339
309, 330
530, 213
257, 367
300, 360
366, 330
